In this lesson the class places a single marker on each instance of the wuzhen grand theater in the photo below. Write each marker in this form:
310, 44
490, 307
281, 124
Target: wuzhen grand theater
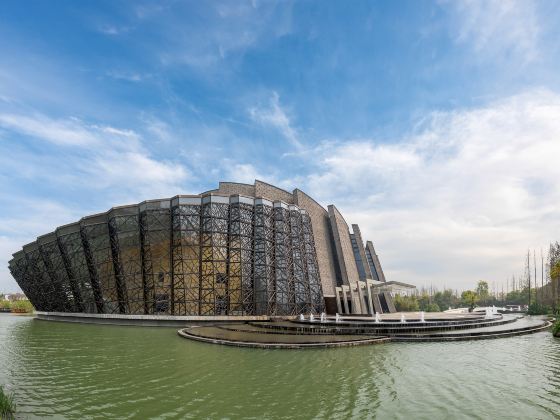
238, 250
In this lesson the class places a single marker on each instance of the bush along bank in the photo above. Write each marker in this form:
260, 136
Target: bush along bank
7, 405
18, 306
556, 328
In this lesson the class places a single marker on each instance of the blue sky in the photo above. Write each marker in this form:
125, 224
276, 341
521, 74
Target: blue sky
434, 125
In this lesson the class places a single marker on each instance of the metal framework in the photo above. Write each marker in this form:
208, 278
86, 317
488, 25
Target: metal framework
155, 222
72, 253
263, 261
185, 257
301, 295
240, 267
214, 281
189, 255
316, 301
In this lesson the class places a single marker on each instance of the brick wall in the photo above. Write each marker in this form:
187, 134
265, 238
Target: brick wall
232, 188
272, 193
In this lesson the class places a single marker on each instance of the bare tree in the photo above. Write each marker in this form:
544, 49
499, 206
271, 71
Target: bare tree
536, 286
529, 274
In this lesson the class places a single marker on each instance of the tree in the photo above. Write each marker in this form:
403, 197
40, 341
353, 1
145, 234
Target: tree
482, 291
423, 301
445, 299
406, 303
517, 297
469, 298
432, 307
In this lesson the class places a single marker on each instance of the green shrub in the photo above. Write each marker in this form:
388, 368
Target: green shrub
22, 306
538, 309
432, 307
556, 329
406, 303
7, 405
5, 304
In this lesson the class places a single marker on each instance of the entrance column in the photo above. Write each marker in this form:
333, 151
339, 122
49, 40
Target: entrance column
338, 291
345, 299
359, 284
356, 306
370, 302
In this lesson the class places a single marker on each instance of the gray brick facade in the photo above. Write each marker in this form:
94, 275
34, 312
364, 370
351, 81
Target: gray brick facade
343, 246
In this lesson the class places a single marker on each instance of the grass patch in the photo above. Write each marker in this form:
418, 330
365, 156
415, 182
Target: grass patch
21, 307
7, 405
18, 306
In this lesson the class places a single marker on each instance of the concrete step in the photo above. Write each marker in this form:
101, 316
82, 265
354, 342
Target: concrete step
218, 335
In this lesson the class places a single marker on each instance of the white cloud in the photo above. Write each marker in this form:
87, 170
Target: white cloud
104, 157
459, 201
67, 132
498, 27
149, 177
241, 172
275, 116
8, 245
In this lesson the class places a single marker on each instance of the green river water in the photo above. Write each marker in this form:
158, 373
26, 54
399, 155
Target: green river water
74, 371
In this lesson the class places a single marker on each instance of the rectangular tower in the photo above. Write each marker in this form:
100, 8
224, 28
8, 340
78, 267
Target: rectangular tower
360, 254
374, 264
343, 247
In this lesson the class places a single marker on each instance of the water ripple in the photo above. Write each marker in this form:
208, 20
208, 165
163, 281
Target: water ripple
85, 371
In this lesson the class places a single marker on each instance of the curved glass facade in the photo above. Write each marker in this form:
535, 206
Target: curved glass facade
189, 255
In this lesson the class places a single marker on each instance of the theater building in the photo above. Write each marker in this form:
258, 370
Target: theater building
238, 250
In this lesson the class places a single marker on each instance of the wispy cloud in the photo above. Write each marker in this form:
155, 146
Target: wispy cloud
273, 114
113, 30
498, 28
107, 156
69, 132
223, 32
129, 76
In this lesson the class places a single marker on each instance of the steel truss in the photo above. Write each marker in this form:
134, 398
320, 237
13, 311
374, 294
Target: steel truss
209, 255
185, 259
317, 303
240, 268
99, 258
263, 262
283, 268
74, 258
214, 282
65, 288
301, 284
155, 223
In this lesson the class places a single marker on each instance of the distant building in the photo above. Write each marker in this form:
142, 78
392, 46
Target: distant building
240, 249
12, 297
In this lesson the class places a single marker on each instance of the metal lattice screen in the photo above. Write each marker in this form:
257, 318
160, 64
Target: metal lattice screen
208, 255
